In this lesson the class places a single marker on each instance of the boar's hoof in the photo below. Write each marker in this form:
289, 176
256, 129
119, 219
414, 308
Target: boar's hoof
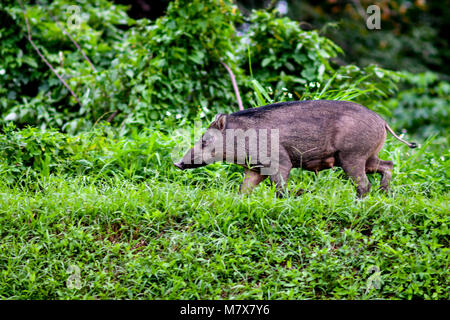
286, 193
301, 191
386, 190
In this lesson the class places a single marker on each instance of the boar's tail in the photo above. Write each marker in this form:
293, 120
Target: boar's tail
411, 145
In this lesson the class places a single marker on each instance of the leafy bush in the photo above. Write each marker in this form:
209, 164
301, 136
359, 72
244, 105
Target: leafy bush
412, 35
422, 106
34, 154
177, 63
172, 65
29, 91
278, 52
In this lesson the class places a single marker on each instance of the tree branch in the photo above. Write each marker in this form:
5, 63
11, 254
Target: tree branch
73, 41
235, 87
112, 116
42, 56
116, 112
359, 9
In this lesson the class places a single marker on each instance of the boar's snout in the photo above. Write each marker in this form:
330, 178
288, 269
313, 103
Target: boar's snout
179, 165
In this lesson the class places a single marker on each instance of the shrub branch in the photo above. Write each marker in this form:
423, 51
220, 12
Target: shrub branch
235, 87
42, 56
73, 41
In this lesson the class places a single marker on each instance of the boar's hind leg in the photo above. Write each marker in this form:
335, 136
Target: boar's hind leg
375, 165
251, 180
355, 167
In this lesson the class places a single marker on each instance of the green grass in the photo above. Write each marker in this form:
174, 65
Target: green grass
189, 235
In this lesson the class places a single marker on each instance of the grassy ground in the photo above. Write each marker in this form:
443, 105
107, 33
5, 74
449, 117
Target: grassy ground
188, 235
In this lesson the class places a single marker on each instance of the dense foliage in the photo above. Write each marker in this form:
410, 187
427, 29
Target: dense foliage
283, 55
157, 70
412, 34
30, 92
92, 206
423, 105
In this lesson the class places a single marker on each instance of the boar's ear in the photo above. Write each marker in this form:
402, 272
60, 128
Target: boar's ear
221, 121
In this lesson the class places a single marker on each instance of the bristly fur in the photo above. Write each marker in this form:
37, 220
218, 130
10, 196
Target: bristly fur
254, 111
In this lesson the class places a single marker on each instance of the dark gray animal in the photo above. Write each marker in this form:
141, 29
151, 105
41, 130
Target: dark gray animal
313, 135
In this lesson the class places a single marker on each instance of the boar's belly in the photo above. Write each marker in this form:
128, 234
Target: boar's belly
319, 164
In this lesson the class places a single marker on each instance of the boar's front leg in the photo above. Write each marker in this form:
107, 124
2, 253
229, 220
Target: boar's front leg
251, 180
383, 167
281, 175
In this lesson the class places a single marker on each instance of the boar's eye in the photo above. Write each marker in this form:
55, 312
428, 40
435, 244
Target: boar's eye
207, 140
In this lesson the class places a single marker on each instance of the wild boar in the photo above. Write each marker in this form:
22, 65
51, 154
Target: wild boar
313, 135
